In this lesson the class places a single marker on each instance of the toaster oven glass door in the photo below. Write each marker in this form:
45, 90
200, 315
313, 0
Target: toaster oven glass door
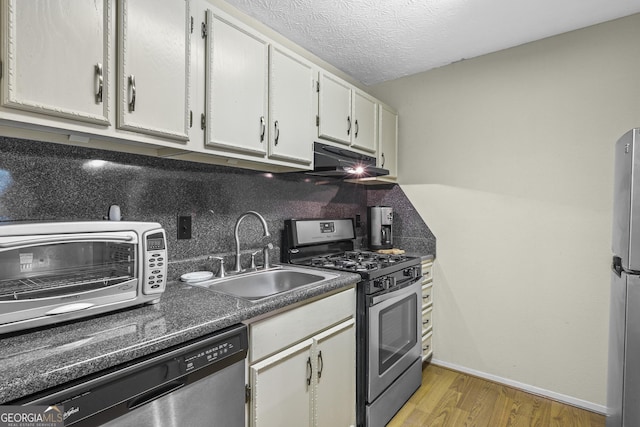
65, 268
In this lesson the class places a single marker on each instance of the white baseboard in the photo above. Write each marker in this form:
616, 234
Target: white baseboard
590, 406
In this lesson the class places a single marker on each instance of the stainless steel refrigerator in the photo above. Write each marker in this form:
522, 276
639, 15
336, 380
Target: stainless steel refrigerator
623, 388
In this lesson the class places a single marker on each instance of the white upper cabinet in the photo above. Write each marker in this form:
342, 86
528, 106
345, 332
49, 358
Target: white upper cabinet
388, 148
365, 129
153, 74
346, 114
56, 58
291, 107
237, 87
334, 109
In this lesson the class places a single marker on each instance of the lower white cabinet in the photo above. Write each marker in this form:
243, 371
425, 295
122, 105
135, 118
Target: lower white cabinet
427, 309
308, 382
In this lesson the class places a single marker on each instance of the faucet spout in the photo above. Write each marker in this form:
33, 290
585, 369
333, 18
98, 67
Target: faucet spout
238, 267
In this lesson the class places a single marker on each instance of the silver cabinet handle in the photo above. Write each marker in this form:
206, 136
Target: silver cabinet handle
309, 371
426, 322
263, 128
357, 129
320, 364
132, 86
100, 76
277, 129
383, 160
348, 125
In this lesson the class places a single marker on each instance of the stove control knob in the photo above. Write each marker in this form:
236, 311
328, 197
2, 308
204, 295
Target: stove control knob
378, 283
410, 272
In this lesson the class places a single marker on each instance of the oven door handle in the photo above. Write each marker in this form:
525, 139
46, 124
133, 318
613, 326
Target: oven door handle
398, 293
71, 238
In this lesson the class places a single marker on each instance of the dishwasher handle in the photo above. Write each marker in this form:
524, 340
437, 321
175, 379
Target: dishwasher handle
155, 393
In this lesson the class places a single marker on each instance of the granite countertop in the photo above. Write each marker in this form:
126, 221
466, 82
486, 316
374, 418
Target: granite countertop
37, 360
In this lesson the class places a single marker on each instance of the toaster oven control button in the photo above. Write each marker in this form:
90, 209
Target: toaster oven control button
151, 277
155, 272
151, 282
159, 276
152, 265
160, 259
160, 264
159, 281
155, 286
155, 255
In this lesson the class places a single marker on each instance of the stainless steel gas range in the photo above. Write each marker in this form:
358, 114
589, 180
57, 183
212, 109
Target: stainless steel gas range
389, 368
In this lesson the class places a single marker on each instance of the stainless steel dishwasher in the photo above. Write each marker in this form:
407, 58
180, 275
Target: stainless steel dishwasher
200, 383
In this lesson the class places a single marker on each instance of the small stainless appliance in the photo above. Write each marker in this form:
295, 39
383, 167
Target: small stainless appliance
57, 271
380, 220
623, 388
388, 316
199, 383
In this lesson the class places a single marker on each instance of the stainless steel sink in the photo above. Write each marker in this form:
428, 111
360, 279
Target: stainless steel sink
257, 285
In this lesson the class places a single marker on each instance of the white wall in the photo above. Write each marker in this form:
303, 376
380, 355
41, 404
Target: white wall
509, 159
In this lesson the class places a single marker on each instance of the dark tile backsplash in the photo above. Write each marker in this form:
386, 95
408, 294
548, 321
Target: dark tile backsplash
46, 181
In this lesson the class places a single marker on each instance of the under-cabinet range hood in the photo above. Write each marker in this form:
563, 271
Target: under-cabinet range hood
336, 162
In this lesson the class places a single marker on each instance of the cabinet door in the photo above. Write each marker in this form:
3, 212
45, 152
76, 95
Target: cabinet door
334, 107
70, 38
281, 388
236, 88
335, 376
154, 61
291, 112
388, 154
365, 124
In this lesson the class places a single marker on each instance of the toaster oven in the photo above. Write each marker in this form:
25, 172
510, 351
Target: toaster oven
52, 272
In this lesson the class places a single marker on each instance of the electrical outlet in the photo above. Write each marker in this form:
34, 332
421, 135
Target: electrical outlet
358, 221
184, 226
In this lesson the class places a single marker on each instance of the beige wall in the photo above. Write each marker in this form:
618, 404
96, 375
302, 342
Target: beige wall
509, 159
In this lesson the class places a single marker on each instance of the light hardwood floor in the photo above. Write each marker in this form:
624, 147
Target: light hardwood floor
452, 399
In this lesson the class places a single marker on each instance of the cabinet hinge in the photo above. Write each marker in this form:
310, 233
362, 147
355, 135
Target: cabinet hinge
190, 118
317, 120
247, 393
192, 25
1, 69
318, 86
203, 121
203, 30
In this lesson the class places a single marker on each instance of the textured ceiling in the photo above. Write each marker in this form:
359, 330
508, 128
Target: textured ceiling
379, 40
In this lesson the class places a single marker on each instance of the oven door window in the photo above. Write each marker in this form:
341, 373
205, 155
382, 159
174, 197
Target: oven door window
398, 331
49, 270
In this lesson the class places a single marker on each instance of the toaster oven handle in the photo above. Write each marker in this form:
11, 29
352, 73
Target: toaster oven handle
69, 238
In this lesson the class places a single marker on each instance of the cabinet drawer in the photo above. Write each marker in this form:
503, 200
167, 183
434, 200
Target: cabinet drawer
282, 330
427, 297
427, 348
426, 319
427, 272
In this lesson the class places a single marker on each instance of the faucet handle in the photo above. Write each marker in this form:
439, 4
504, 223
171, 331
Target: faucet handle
253, 259
221, 272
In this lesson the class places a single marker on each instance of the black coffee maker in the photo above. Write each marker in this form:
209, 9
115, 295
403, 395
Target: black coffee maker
380, 222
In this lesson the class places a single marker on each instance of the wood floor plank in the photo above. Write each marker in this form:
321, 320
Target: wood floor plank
449, 398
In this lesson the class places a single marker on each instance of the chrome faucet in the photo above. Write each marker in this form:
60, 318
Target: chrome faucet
265, 250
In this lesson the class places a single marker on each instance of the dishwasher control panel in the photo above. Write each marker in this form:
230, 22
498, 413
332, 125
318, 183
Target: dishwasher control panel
211, 354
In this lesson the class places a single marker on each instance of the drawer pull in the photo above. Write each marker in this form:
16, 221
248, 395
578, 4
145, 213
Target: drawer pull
426, 297
426, 322
426, 347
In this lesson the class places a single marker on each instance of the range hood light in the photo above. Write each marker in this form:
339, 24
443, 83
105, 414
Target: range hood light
354, 170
